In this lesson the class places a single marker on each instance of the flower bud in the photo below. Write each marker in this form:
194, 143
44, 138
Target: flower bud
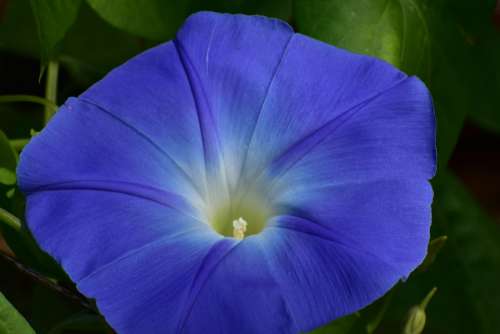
415, 322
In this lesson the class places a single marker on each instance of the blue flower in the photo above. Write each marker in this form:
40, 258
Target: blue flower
240, 179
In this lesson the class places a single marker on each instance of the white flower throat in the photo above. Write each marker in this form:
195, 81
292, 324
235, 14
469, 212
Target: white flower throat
240, 211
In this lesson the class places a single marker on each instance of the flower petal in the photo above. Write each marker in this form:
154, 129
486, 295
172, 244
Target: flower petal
240, 296
315, 85
85, 226
152, 94
84, 142
143, 292
232, 60
352, 182
389, 137
341, 248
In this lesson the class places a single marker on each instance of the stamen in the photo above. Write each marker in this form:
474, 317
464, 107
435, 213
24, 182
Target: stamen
239, 228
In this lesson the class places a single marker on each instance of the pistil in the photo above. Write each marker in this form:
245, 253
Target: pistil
239, 228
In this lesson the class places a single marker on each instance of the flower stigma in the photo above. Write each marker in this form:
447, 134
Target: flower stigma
239, 228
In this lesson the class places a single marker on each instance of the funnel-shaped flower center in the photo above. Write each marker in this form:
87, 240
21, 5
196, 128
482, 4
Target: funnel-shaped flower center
243, 212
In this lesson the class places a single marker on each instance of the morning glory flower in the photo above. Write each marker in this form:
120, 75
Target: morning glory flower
241, 178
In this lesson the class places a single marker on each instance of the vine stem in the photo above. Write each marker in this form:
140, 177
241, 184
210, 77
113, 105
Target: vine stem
51, 88
15, 223
28, 98
50, 283
375, 322
9, 219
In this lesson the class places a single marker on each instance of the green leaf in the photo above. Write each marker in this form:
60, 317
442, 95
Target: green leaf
158, 19
53, 19
92, 47
277, 8
11, 322
393, 30
407, 33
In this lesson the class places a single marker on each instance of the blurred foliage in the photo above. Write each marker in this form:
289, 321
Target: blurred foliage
469, 264
452, 45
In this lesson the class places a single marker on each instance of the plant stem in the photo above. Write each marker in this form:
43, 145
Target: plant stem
51, 88
9, 219
28, 98
50, 283
375, 322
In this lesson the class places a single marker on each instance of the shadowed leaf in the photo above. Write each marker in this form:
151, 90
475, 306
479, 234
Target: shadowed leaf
158, 20
53, 19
